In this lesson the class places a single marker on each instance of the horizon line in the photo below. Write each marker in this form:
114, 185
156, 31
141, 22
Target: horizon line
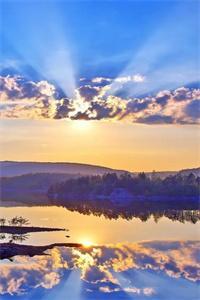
94, 165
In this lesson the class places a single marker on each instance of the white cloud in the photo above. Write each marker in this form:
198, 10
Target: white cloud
134, 78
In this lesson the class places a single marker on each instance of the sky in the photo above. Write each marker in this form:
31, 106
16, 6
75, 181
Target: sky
113, 83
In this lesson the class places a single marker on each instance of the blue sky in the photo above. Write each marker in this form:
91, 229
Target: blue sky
102, 38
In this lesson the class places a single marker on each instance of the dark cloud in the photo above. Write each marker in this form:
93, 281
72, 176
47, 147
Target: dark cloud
162, 98
193, 109
81, 116
171, 266
181, 94
62, 109
137, 105
97, 111
88, 92
104, 112
156, 119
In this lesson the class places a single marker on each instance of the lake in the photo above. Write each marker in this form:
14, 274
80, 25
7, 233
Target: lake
100, 230
149, 256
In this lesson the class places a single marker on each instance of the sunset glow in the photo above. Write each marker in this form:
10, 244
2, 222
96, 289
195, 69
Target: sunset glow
82, 126
87, 242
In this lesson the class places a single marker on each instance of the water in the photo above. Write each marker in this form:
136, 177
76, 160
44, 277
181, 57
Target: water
153, 255
100, 230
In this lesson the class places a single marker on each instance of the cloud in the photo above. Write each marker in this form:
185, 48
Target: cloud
101, 80
20, 88
156, 119
134, 78
95, 99
144, 269
162, 97
63, 109
192, 109
88, 92
182, 94
122, 79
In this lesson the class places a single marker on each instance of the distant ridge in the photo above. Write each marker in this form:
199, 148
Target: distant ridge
195, 171
163, 174
17, 168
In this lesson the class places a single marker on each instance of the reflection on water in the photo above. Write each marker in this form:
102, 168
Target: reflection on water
118, 265
146, 270
143, 212
13, 238
87, 227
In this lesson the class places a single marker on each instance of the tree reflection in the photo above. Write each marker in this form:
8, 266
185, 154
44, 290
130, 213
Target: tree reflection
2, 221
2, 236
18, 238
14, 237
131, 196
135, 211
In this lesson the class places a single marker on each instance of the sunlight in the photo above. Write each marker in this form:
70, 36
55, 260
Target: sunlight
144, 63
70, 289
81, 125
58, 66
87, 243
80, 106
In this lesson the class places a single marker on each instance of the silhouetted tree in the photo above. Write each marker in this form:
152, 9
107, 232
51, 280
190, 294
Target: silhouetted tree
2, 221
18, 221
98, 187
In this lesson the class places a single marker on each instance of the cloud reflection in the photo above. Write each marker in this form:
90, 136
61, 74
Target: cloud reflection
143, 270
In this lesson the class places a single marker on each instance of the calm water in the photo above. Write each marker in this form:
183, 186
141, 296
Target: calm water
99, 230
128, 259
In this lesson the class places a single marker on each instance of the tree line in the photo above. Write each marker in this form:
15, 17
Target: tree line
92, 187
15, 221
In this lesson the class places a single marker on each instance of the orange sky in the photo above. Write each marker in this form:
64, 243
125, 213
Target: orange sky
117, 145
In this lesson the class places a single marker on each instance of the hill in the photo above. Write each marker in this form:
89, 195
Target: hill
164, 174
30, 187
195, 171
14, 168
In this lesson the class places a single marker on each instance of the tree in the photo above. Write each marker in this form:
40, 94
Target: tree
142, 176
2, 221
22, 221
18, 221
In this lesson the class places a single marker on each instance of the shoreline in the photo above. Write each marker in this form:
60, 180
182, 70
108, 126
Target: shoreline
9, 250
27, 229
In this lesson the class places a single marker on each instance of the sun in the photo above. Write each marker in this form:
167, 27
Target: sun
87, 243
81, 125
